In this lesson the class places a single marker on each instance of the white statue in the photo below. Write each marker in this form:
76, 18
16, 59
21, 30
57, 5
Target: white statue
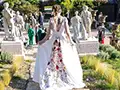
76, 23
8, 21
19, 23
87, 19
32, 20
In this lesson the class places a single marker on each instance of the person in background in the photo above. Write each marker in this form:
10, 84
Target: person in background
101, 33
31, 35
41, 19
40, 34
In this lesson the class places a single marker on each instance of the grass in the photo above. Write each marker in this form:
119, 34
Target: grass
2, 87
94, 81
19, 80
111, 76
8, 70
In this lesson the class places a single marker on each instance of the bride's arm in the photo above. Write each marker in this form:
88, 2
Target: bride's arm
67, 31
47, 35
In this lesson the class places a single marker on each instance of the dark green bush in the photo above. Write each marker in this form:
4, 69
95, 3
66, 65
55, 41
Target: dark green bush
104, 55
115, 54
108, 49
6, 58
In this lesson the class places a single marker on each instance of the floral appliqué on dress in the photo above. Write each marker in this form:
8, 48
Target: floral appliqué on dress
56, 71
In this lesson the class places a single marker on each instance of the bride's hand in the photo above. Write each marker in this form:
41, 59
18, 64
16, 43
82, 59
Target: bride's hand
72, 43
41, 42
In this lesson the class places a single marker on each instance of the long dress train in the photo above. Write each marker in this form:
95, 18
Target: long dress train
57, 64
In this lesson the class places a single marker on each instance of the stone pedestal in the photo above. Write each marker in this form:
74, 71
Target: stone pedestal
88, 47
13, 47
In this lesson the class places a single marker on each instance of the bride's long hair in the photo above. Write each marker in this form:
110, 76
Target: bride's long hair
56, 9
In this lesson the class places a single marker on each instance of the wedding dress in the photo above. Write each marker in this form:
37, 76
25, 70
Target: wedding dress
57, 64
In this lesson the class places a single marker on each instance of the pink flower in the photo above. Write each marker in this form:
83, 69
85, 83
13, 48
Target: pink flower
60, 60
58, 48
59, 54
57, 67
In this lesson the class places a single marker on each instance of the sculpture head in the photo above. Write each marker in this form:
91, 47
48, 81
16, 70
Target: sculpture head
6, 5
17, 13
85, 8
76, 12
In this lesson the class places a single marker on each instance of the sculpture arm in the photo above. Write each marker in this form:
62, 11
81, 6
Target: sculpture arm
67, 31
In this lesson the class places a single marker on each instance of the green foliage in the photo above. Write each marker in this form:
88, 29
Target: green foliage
117, 31
68, 4
27, 8
104, 55
108, 51
115, 54
24, 6
2, 87
105, 70
13, 2
6, 78
33, 1
6, 58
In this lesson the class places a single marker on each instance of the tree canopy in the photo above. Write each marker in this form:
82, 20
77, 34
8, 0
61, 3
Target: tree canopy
24, 6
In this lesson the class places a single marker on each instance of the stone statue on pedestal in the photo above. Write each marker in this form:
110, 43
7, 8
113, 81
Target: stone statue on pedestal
76, 23
19, 23
32, 20
8, 23
87, 20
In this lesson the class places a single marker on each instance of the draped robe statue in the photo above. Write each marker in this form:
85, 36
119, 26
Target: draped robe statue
19, 23
87, 20
8, 22
76, 24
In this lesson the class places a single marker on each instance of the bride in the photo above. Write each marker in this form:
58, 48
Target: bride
57, 64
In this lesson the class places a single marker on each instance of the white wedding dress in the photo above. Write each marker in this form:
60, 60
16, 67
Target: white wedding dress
57, 64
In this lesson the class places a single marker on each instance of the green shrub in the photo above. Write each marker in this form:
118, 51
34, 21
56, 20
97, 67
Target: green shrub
115, 54
106, 48
104, 55
6, 58
109, 51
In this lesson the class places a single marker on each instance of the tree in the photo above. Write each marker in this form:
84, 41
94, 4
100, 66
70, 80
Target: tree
33, 1
24, 6
68, 4
13, 2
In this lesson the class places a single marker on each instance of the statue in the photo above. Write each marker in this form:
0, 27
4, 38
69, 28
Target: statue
87, 20
76, 23
8, 22
94, 21
19, 23
32, 20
